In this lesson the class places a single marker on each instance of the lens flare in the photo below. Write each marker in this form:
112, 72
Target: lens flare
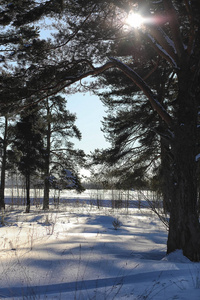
134, 20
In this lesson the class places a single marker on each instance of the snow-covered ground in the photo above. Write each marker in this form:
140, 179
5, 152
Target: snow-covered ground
74, 252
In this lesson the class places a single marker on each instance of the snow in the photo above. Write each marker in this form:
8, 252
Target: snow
68, 174
163, 51
197, 157
167, 39
74, 252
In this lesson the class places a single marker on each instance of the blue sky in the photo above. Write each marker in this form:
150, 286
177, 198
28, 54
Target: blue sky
89, 111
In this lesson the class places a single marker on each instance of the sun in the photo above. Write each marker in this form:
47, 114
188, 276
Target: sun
134, 20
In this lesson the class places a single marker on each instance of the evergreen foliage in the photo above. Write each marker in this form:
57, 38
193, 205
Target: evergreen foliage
29, 148
30, 72
60, 153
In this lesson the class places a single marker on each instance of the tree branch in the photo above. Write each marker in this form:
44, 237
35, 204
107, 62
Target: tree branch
174, 26
164, 40
67, 81
192, 34
126, 70
146, 90
161, 51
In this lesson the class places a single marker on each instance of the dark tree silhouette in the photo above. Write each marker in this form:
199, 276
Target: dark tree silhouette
28, 143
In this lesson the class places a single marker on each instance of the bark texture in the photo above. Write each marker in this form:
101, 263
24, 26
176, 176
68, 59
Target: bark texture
184, 227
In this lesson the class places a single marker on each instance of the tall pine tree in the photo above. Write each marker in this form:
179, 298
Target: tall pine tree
28, 144
60, 154
178, 46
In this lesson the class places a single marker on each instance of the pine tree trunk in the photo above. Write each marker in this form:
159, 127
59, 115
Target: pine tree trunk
46, 193
184, 227
165, 175
47, 162
3, 166
28, 202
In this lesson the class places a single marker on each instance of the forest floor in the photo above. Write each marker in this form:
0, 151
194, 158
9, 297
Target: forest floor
80, 251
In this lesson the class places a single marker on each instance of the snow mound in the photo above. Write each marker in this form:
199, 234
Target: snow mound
177, 256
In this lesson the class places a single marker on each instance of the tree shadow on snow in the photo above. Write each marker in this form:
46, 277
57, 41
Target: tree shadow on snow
87, 285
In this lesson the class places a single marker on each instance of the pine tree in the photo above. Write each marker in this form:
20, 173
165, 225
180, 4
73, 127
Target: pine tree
28, 143
30, 72
133, 129
179, 47
4, 143
60, 153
